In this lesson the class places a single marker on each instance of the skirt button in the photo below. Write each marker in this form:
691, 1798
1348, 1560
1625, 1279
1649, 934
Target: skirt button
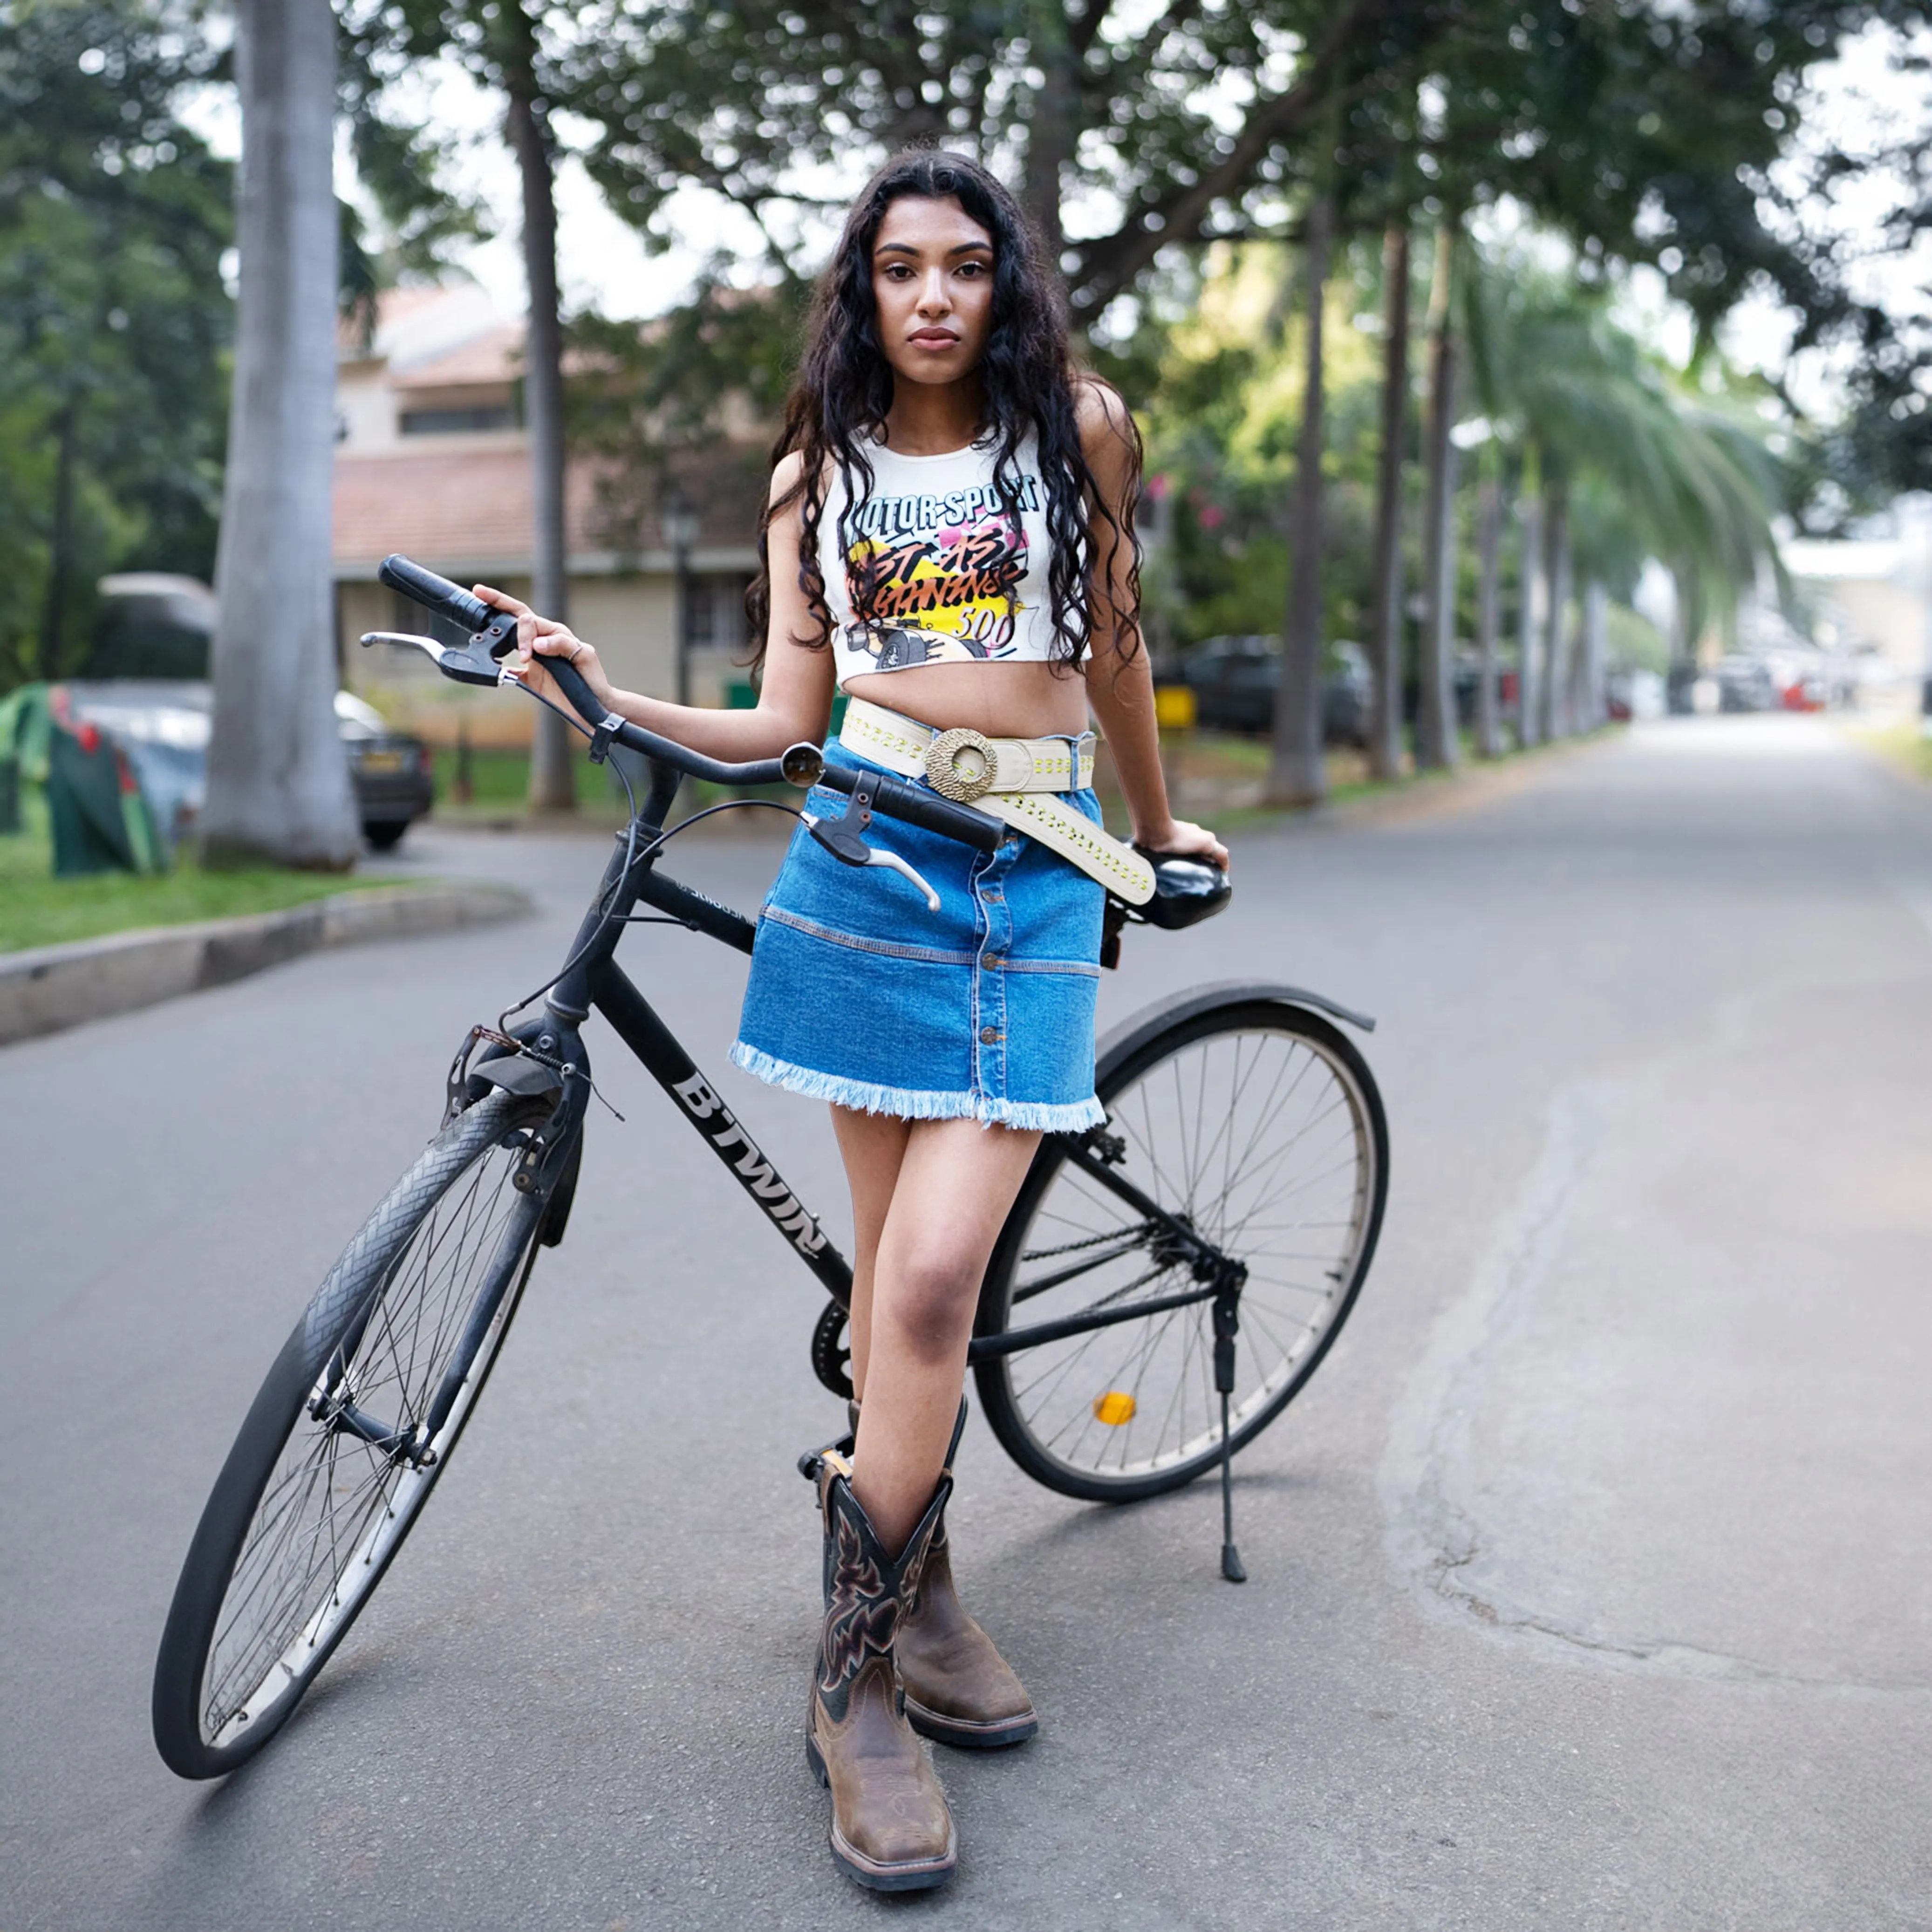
989, 1035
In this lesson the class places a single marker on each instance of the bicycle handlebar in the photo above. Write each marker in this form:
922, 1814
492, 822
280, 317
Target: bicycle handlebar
435, 593
800, 765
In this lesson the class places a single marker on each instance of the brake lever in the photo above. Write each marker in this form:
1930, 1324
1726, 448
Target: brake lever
478, 661
844, 839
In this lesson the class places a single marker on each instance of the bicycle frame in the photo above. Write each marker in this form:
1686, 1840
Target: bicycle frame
595, 982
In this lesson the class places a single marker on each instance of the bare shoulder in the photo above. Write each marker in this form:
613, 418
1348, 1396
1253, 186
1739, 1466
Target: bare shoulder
785, 475
1102, 416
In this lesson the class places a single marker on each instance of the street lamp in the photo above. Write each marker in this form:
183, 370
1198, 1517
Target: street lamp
678, 516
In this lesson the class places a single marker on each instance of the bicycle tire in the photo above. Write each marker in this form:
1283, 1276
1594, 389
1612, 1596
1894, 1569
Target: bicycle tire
307, 1513
1067, 1410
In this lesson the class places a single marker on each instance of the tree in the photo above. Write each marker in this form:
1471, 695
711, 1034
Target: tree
767, 104
1385, 622
503, 43
113, 318
278, 783
1489, 599
1297, 772
1691, 473
1531, 597
553, 761
1436, 744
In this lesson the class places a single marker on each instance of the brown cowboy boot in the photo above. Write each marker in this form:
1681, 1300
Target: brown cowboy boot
959, 1690
890, 1828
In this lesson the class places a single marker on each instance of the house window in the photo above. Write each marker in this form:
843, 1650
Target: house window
457, 422
714, 612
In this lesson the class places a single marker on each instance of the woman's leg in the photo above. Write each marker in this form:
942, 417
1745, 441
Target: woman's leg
954, 1182
872, 1146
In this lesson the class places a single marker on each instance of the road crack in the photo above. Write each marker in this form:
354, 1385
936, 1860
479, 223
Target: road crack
1426, 1481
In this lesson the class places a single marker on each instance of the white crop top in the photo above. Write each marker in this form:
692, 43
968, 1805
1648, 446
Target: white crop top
933, 570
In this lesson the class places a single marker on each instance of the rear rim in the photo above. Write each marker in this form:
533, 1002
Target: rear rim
337, 1504
1261, 1128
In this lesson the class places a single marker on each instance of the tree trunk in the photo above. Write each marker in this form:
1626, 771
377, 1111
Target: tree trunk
1529, 601
1590, 709
1297, 772
553, 749
1488, 597
1385, 615
278, 785
1437, 745
1556, 577
60, 560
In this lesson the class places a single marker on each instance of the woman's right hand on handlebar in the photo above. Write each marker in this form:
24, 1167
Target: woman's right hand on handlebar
541, 637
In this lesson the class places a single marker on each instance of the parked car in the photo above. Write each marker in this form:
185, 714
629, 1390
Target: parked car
1234, 680
1744, 684
391, 771
163, 724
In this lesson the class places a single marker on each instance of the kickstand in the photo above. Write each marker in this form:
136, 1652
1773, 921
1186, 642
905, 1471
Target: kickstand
1227, 1320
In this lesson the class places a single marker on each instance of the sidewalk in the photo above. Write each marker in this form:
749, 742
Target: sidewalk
50, 987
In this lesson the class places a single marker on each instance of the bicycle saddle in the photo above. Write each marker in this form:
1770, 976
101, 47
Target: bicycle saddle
1186, 891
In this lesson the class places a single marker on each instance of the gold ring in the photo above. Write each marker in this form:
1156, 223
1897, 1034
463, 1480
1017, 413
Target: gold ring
961, 764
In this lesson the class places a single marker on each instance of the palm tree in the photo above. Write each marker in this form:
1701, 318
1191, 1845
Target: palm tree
277, 782
1689, 478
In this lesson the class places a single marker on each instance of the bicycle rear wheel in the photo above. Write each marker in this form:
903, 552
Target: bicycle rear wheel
1256, 1124
352, 1426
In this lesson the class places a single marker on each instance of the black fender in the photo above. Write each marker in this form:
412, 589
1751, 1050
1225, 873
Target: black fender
1131, 1034
518, 1073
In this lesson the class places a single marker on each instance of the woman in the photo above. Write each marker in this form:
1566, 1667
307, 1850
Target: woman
948, 536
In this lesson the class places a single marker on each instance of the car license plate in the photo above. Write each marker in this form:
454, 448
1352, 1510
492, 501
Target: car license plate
382, 761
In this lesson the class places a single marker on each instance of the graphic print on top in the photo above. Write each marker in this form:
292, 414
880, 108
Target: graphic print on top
934, 578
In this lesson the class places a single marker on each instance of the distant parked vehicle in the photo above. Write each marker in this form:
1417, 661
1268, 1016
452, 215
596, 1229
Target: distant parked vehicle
147, 682
1234, 680
391, 771
162, 724
1745, 684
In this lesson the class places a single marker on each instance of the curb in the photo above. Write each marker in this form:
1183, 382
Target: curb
51, 988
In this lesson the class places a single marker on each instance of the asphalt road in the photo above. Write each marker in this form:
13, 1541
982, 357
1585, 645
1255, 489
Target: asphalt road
1592, 1585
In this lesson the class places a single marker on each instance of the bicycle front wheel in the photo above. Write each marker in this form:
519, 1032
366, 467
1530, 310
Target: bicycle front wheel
1257, 1125
351, 1430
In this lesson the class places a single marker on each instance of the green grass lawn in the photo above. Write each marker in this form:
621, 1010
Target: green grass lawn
1906, 746
36, 909
499, 786
499, 780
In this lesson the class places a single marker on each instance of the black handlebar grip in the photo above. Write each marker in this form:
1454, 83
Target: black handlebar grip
569, 680
434, 592
897, 800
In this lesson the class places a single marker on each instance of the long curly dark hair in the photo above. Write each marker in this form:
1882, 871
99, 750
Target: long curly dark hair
839, 405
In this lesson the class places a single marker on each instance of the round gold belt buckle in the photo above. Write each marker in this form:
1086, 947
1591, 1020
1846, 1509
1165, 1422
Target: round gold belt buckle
961, 764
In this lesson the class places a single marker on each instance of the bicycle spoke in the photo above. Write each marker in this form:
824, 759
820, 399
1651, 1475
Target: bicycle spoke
335, 1504
1257, 1139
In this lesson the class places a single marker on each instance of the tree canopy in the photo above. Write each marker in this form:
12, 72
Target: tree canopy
114, 319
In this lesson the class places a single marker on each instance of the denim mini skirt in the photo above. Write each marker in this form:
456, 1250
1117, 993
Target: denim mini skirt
982, 1011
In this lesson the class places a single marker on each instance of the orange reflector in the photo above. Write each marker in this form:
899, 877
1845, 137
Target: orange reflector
1114, 1408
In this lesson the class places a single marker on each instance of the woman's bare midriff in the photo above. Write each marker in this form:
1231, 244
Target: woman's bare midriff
1004, 700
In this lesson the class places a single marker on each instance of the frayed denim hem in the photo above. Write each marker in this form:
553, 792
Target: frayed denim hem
909, 1104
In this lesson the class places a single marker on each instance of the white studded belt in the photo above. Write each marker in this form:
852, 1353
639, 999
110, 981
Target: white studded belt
1011, 779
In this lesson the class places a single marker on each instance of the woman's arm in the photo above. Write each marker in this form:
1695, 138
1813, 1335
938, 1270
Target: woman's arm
794, 696
1119, 680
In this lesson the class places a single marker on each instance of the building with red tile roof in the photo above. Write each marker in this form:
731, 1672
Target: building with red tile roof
432, 461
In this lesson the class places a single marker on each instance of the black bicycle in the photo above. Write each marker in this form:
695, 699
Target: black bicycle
1165, 1284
